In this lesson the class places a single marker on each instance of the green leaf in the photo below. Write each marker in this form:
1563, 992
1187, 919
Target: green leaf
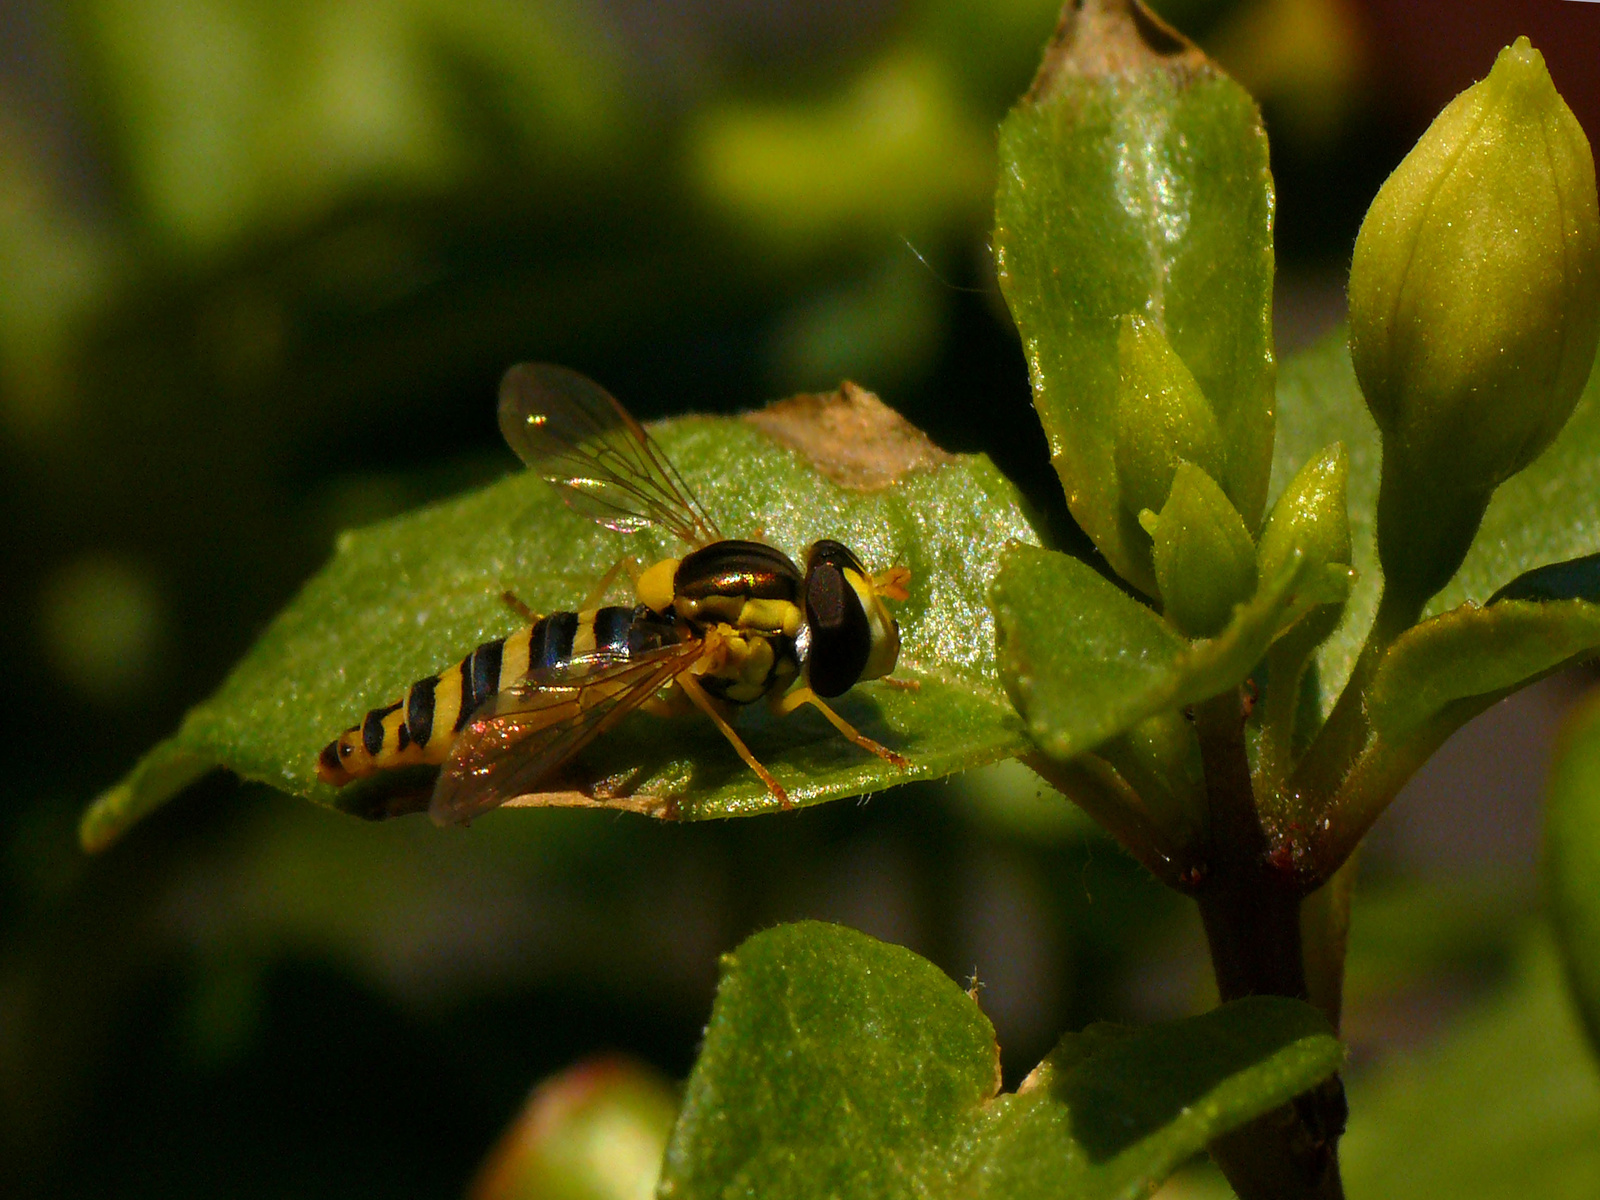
837, 1065
1473, 653
1134, 180
1163, 419
1084, 662
1077, 654
1204, 559
1435, 677
405, 598
833, 1064
1118, 1109
1546, 514
1505, 1106
1319, 404
1573, 857
1312, 516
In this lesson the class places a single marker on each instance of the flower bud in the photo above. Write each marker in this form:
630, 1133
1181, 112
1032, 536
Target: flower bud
1163, 418
1204, 559
596, 1129
1474, 309
1312, 517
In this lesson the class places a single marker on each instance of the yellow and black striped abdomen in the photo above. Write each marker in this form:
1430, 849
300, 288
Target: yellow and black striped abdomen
420, 727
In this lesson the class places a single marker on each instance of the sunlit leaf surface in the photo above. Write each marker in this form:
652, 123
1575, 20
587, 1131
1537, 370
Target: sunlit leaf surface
837, 1065
1084, 661
405, 598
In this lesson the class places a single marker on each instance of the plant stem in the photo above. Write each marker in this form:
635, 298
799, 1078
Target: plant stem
1286, 669
1324, 937
1095, 786
1250, 906
1381, 771
1338, 745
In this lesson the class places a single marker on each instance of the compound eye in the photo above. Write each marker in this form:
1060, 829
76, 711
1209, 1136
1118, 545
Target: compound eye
834, 553
841, 636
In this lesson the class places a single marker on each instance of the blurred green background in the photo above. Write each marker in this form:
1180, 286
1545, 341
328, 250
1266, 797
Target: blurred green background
261, 265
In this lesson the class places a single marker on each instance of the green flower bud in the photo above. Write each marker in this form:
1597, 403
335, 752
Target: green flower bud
596, 1129
1163, 418
1205, 561
1474, 309
1312, 517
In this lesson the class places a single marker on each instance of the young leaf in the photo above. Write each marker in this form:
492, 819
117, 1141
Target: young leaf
1434, 678
1204, 559
1572, 840
1079, 657
1320, 404
1084, 662
1312, 516
406, 598
1475, 653
837, 1065
1134, 180
1163, 419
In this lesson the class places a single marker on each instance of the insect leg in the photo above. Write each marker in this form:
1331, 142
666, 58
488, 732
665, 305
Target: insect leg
703, 702
626, 563
784, 705
673, 702
515, 604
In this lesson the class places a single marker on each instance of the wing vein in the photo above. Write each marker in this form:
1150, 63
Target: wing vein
573, 433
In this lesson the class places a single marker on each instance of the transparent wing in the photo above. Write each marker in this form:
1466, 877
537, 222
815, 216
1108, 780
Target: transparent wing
573, 432
523, 733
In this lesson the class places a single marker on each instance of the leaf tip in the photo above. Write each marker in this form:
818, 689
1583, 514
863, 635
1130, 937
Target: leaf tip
100, 827
850, 436
1109, 37
161, 775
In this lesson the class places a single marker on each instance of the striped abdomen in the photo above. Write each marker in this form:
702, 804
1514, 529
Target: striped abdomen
420, 728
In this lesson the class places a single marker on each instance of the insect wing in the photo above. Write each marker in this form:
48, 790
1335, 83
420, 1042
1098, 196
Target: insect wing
575, 434
523, 733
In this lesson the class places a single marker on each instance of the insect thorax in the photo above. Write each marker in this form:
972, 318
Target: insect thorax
747, 597
734, 568
741, 584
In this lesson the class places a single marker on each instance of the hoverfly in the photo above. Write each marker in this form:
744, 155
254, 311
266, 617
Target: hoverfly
729, 623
